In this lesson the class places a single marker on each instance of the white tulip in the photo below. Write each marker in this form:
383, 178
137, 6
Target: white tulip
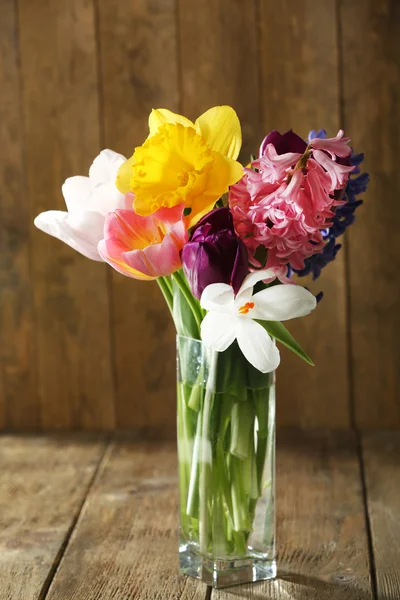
88, 200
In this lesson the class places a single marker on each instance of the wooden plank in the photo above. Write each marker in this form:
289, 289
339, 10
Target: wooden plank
219, 59
371, 61
381, 452
321, 537
59, 73
43, 482
139, 71
19, 405
300, 90
125, 544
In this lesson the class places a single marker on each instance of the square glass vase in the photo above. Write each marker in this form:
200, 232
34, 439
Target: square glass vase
226, 457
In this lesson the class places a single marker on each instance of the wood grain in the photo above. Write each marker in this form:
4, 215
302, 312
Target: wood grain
321, 537
371, 89
19, 406
300, 90
219, 62
58, 69
381, 451
125, 544
43, 482
138, 56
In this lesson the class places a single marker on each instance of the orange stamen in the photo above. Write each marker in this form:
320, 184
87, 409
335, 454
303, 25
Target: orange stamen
246, 308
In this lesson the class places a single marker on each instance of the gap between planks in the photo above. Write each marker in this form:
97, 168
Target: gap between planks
57, 560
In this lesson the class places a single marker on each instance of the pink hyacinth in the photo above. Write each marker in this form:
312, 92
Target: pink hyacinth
285, 201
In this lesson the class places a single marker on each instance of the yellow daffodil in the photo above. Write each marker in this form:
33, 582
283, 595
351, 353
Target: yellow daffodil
184, 163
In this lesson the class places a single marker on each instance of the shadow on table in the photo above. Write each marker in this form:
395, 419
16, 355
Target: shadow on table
292, 586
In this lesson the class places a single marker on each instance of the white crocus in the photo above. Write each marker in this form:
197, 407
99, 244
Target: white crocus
231, 318
88, 200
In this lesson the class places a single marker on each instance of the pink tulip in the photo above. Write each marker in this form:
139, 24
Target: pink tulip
144, 247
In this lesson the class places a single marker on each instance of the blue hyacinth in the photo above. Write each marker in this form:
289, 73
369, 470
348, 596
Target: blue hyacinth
344, 216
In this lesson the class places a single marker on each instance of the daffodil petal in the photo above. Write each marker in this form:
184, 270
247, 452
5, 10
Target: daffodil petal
225, 172
217, 296
160, 116
256, 345
124, 176
200, 206
283, 302
218, 330
220, 127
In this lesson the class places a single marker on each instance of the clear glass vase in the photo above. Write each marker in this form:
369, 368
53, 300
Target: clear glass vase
226, 454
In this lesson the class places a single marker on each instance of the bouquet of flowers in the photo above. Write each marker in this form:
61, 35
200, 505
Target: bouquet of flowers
227, 245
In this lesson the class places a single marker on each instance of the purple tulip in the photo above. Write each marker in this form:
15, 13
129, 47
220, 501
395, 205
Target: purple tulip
286, 142
214, 253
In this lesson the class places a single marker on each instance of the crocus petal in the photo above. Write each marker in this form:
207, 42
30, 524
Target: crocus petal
83, 239
218, 330
256, 345
283, 302
220, 127
160, 116
105, 167
253, 278
217, 296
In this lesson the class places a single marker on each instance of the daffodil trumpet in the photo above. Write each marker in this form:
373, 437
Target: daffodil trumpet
226, 269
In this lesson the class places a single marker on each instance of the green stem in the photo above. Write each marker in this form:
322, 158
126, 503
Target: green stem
193, 479
206, 454
166, 292
192, 302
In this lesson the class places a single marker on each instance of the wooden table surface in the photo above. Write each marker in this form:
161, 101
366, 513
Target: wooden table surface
87, 518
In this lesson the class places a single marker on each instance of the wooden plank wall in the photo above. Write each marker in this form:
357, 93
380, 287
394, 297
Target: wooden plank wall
81, 347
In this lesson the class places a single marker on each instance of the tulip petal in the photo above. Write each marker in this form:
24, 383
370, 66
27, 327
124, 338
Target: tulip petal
220, 127
256, 345
218, 297
81, 196
283, 302
109, 250
143, 247
218, 330
105, 167
75, 191
160, 116
83, 239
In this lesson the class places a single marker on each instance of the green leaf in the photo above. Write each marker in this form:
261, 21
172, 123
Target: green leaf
280, 333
